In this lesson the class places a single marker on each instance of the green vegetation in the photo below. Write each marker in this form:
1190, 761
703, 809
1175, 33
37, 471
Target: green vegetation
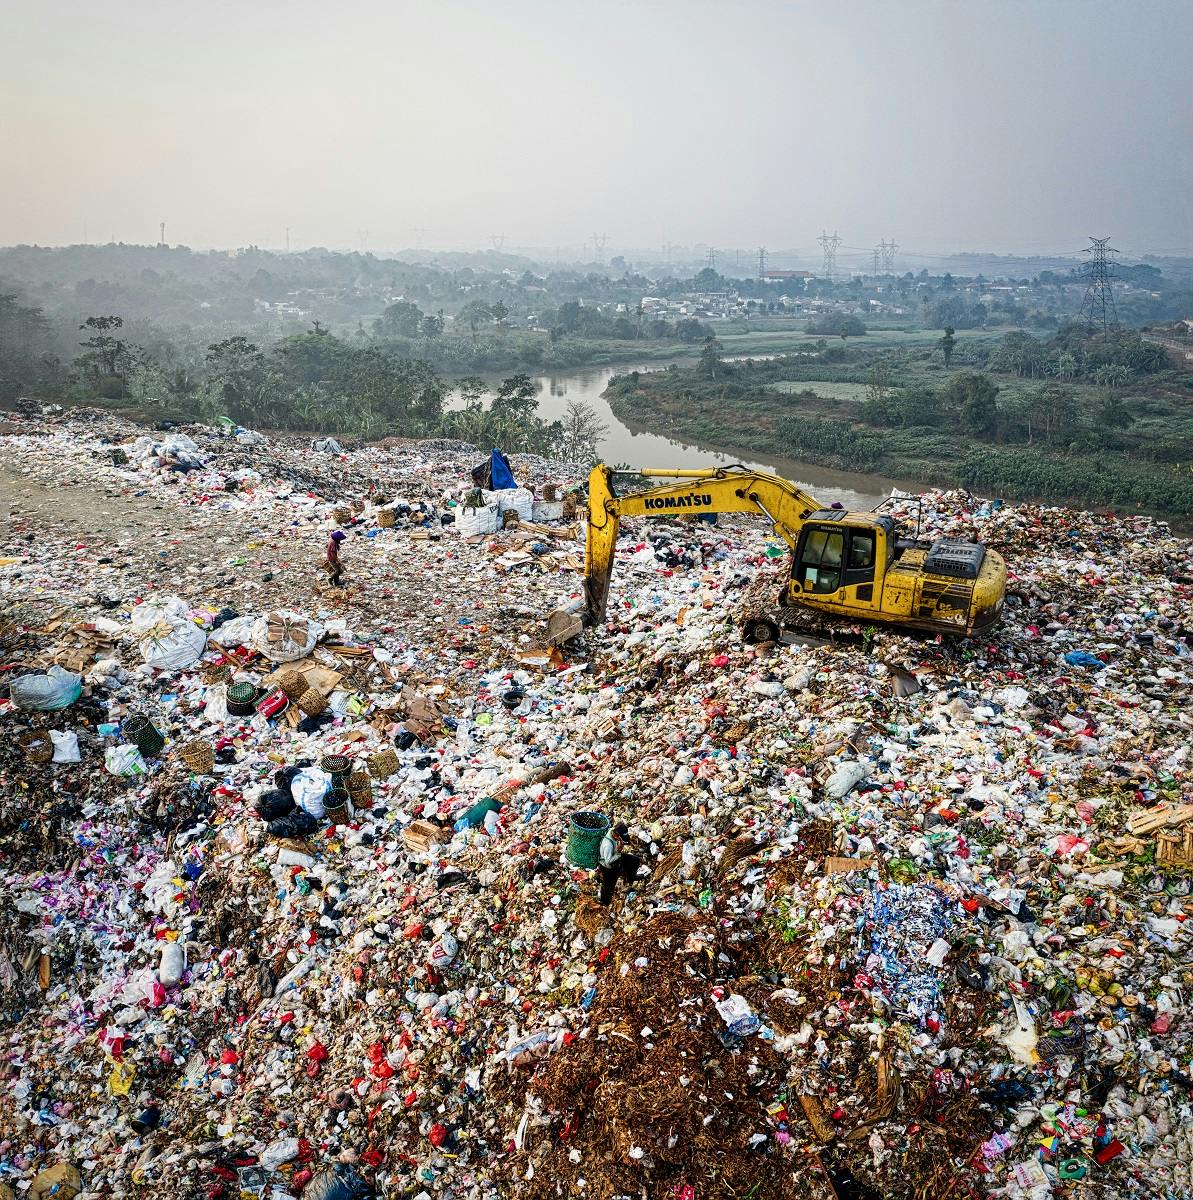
837, 324
1074, 417
923, 376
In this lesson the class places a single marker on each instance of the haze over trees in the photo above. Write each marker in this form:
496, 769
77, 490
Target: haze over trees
358, 345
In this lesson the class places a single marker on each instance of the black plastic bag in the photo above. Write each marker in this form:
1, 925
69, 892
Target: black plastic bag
297, 824
283, 778
340, 1182
274, 804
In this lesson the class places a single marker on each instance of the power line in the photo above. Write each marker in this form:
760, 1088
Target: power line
1098, 306
761, 261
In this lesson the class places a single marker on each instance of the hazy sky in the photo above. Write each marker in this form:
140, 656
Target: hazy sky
965, 124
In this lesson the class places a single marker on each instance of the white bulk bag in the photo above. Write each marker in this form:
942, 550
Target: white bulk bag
284, 636
521, 500
169, 640
473, 521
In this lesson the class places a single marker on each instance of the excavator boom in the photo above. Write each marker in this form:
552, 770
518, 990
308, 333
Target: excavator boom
695, 491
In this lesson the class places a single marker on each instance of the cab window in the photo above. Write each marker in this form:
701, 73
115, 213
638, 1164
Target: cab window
820, 562
861, 551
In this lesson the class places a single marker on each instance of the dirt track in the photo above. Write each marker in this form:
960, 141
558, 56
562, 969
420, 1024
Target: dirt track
155, 544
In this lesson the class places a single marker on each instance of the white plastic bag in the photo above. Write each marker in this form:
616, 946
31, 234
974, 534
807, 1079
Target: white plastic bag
215, 703
283, 1150
66, 745
236, 632
473, 521
844, 779
172, 965
308, 788
443, 951
124, 760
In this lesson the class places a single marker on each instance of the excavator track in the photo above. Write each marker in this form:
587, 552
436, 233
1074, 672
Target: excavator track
765, 617
782, 623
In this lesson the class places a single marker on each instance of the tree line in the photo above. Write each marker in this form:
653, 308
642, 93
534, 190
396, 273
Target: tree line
312, 382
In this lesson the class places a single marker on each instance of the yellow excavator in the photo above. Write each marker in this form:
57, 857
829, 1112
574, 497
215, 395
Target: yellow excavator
851, 565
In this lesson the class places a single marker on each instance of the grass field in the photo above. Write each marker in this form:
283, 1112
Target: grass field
830, 389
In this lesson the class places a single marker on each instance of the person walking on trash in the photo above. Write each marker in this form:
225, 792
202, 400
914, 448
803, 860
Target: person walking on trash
332, 564
615, 865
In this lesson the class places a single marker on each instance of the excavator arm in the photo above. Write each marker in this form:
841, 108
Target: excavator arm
711, 490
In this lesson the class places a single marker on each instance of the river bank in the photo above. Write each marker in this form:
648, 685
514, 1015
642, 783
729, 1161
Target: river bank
752, 416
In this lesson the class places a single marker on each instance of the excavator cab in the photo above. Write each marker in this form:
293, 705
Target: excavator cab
839, 554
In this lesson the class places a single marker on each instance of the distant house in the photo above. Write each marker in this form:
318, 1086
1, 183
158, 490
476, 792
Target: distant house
778, 276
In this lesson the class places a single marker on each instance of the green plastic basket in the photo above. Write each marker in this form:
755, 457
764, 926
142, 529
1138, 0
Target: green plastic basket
241, 698
145, 736
586, 831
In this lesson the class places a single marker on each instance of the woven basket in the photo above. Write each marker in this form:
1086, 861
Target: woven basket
335, 764
386, 518
360, 786
312, 702
212, 673
142, 731
383, 764
293, 683
37, 746
335, 805
343, 516
199, 756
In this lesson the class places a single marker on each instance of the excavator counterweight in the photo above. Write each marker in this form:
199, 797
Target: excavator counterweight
851, 565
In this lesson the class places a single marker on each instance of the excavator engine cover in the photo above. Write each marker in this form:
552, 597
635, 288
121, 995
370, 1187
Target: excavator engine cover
959, 560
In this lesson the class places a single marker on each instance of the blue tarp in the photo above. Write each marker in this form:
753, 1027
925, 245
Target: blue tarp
500, 475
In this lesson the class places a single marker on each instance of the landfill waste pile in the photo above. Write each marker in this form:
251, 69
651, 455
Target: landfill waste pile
300, 885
